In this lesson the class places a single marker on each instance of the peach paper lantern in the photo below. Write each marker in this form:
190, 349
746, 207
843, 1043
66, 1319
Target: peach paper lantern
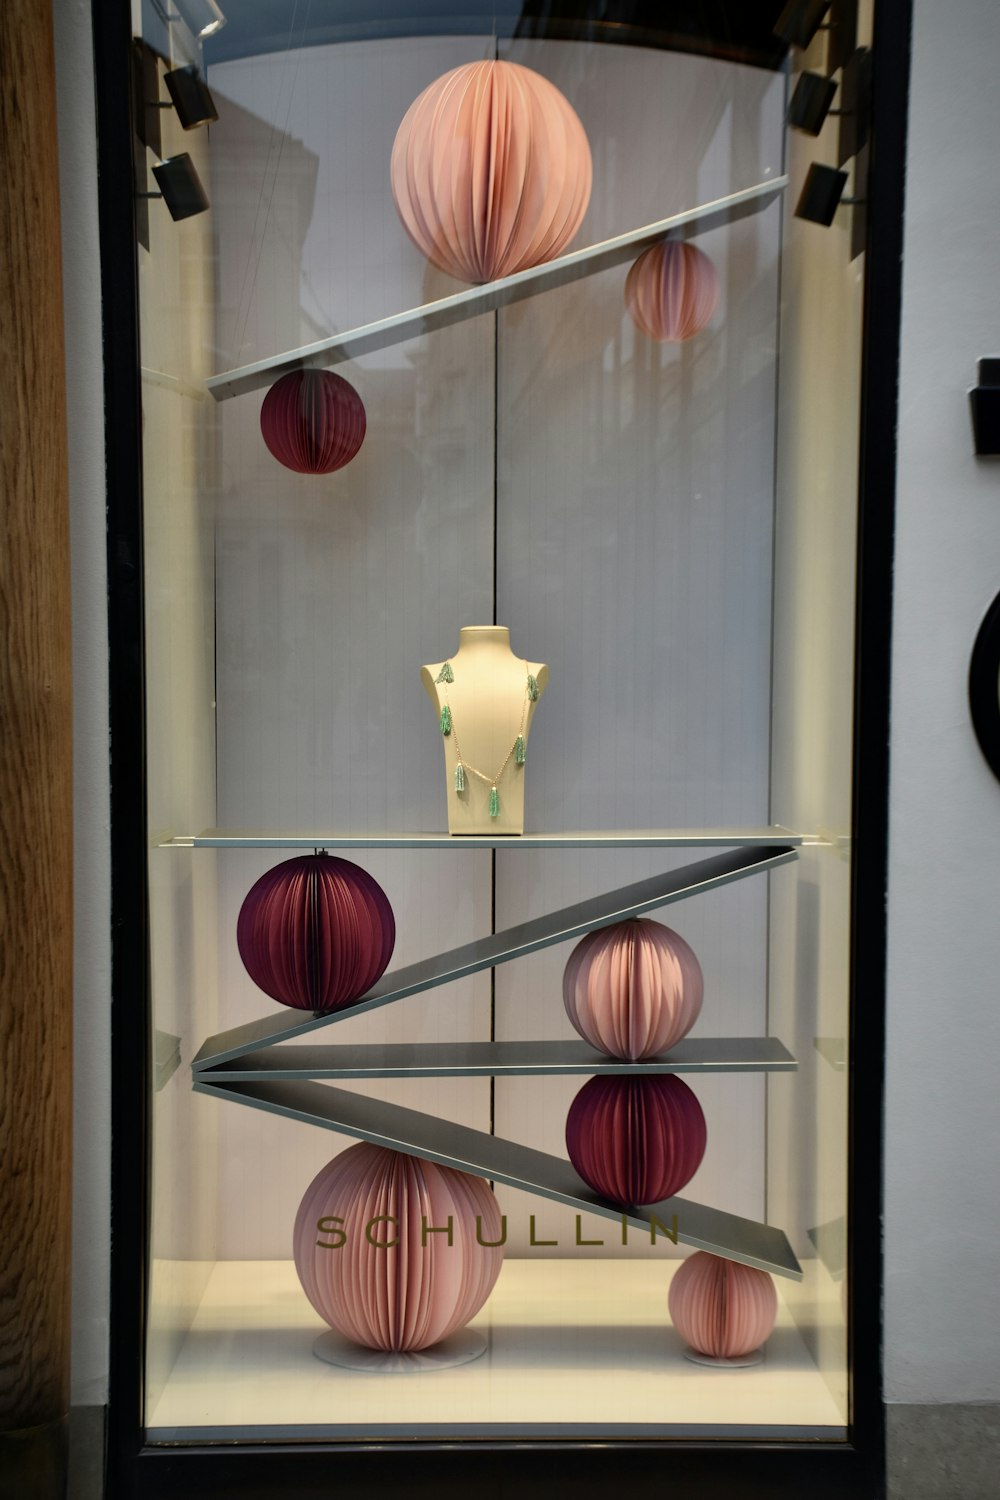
671, 291
490, 171
723, 1309
633, 989
390, 1284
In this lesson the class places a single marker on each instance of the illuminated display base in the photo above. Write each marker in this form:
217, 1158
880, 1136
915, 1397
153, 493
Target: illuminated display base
249, 1359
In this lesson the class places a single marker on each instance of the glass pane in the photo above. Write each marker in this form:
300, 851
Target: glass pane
611, 513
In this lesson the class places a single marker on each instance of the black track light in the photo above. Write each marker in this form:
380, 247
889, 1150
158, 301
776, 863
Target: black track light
810, 103
821, 194
180, 187
800, 20
190, 96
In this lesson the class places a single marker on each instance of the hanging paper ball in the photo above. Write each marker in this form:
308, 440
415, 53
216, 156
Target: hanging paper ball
490, 171
315, 932
313, 421
721, 1308
636, 1140
633, 989
391, 1284
671, 291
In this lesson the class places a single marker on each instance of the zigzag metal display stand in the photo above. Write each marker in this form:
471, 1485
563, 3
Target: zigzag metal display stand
244, 1065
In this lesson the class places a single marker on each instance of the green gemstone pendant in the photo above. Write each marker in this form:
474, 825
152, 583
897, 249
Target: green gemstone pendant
519, 750
494, 802
445, 720
460, 777
445, 674
532, 689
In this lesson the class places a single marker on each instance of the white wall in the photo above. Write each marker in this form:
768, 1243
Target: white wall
942, 1215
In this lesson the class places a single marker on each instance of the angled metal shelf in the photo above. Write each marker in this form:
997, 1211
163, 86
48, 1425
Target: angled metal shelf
504, 1161
483, 299
614, 838
501, 947
754, 1054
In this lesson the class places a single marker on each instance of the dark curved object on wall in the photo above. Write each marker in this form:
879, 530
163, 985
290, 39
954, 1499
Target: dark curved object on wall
984, 687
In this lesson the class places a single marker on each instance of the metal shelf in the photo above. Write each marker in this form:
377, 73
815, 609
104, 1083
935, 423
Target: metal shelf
500, 947
614, 838
503, 1161
754, 1054
483, 299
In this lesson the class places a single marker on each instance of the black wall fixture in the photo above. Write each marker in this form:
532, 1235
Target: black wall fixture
180, 187
800, 20
984, 403
810, 102
821, 194
984, 687
190, 96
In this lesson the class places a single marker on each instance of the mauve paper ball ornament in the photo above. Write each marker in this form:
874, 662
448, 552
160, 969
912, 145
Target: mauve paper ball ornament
315, 932
633, 989
672, 291
411, 1289
636, 1140
490, 171
313, 421
721, 1308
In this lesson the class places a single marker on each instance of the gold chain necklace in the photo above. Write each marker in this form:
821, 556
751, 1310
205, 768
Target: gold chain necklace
448, 727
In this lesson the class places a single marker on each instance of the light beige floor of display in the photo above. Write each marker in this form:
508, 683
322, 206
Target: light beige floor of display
571, 1344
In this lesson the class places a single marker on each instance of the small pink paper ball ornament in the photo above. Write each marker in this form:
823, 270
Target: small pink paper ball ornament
315, 932
721, 1308
636, 1140
671, 291
633, 989
392, 1285
490, 171
313, 421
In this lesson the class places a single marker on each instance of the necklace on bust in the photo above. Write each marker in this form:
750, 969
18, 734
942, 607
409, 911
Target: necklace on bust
516, 752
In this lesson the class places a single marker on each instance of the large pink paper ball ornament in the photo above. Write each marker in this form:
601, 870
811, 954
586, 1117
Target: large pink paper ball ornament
315, 932
636, 1140
392, 1284
313, 421
491, 171
724, 1310
633, 989
672, 291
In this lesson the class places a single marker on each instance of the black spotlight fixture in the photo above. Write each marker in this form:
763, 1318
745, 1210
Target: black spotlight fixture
190, 96
180, 187
810, 103
821, 194
800, 20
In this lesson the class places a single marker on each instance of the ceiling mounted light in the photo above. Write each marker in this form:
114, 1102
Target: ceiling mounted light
810, 103
191, 97
821, 194
800, 20
203, 17
180, 187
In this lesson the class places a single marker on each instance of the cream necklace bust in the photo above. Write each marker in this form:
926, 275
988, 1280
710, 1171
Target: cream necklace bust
485, 698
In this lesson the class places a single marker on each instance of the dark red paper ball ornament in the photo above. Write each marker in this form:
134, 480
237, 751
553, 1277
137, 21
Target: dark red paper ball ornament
636, 1140
315, 932
313, 421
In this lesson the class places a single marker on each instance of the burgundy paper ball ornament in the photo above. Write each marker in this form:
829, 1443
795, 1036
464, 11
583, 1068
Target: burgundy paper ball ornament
491, 171
636, 1140
315, 932
724, 1310
672, 291
313, 421
392, 1285
633, 989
